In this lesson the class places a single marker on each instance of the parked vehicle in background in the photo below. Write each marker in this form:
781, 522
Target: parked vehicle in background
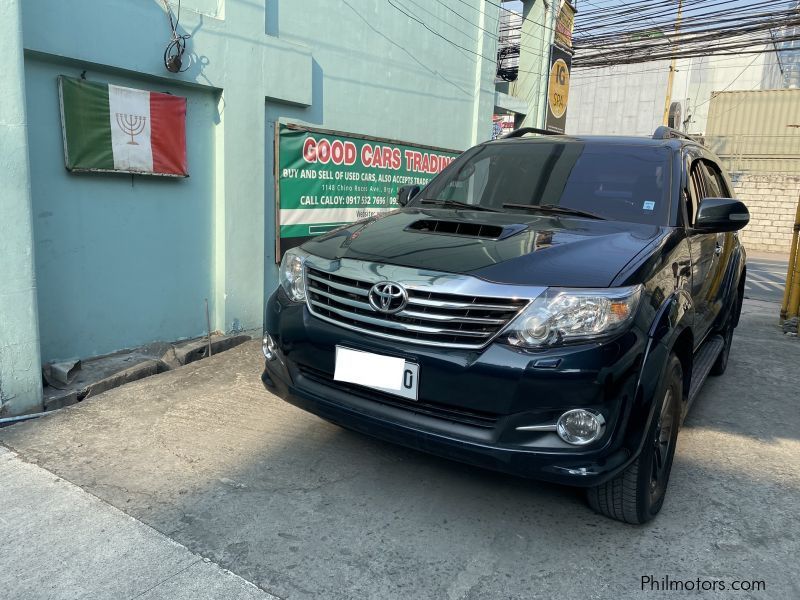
548, 306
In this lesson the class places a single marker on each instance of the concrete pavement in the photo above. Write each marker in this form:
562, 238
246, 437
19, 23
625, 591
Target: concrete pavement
766, 276
59, 541
306, 510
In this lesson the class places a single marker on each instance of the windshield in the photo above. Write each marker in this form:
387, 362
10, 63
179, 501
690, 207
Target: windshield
620, 182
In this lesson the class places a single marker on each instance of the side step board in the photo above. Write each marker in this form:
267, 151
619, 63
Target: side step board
703, 361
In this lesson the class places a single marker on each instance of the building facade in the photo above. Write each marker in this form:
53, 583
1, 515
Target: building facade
527, 34
93, 263
630, 99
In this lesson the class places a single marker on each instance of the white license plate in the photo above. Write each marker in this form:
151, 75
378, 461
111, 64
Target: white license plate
385, 373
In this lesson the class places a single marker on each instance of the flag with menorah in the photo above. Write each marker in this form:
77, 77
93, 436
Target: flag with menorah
110, 128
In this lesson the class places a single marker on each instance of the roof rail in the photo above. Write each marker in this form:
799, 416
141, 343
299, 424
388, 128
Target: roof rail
523, 130
665, 133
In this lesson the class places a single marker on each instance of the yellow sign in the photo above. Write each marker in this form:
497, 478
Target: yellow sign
564, 25
558, 90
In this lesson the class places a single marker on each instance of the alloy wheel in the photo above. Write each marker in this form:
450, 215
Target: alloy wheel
662, 445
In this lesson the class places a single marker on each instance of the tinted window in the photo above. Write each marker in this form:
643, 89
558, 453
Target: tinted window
697, 179
622, 182
713, 189
706, 181
715, 175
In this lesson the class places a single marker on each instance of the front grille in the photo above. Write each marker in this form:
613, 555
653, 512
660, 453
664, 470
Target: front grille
430, 318
448, 413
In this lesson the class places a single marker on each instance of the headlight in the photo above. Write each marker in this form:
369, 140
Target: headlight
291, 274
572, 315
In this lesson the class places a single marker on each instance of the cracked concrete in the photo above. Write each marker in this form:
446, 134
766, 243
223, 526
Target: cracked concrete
306, 510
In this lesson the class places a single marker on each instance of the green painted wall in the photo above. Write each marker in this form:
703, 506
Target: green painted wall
20, 377
120, 260
119, 264
380, 73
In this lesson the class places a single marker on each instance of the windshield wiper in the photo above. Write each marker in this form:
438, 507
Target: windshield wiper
564, 210
456, 204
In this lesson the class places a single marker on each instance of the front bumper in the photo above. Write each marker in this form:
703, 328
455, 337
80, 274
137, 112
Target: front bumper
471, 403
413, 430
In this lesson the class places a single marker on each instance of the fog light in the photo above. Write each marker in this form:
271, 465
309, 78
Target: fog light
269, 348
580, 427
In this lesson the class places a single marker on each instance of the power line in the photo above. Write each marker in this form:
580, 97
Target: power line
743, 45
413, 17
437, 34
640, 31
578, 79
735, 79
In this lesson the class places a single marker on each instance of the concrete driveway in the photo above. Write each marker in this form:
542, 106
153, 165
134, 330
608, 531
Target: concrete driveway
306, 510
766, 276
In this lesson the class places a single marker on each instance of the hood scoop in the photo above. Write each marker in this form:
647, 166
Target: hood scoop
466, 229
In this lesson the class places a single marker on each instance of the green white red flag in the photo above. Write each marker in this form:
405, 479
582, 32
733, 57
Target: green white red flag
120, 129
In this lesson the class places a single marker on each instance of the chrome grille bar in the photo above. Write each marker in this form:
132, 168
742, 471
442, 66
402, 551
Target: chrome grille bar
451, 318
451, 304
443, 309
343, 300
339, 286
402, 326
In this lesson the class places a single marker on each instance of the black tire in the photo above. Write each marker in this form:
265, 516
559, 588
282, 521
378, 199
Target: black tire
637, 494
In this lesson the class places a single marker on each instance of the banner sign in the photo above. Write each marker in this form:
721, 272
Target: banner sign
501, 125
564, 26
109, 128
558, 89
326, 179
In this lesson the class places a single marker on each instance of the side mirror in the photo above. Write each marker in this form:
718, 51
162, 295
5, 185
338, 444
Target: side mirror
406, 193
718, 215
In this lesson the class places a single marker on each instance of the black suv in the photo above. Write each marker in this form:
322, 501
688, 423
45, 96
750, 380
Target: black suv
548, 306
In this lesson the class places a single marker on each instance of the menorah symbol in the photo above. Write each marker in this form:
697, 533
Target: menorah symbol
132, 125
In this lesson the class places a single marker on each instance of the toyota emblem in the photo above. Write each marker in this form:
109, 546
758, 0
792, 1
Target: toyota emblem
388, 297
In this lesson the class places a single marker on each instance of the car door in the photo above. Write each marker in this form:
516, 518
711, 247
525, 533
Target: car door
723, 247
703, 248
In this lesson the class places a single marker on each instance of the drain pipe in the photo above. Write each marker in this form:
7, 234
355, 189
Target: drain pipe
21, 418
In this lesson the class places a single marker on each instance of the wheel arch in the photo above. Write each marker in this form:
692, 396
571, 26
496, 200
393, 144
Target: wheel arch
670, 331
683, 347
740, 295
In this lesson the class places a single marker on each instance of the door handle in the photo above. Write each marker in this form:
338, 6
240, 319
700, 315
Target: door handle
718, 249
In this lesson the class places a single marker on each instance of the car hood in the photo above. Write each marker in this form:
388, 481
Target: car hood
511, 248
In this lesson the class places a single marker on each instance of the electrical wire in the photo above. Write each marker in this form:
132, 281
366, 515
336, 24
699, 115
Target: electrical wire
734, 80
404, 10
173, 54
646, 31
619, 36
580, 78
408, 13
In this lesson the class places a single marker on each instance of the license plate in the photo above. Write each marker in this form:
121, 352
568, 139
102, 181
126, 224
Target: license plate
385, 373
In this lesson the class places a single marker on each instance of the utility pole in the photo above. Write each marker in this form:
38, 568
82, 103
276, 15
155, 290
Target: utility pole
672, 64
